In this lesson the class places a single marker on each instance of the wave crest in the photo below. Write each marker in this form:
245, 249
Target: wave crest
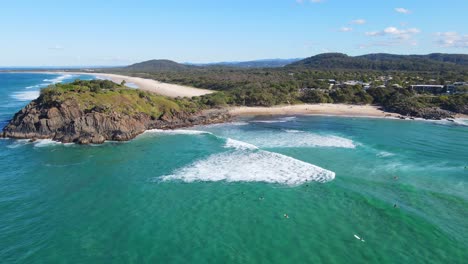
231, 143
246, 163
25, 95
176, 132
297, 139
58, 79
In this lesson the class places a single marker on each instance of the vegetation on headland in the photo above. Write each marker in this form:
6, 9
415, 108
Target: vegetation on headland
105, 96
95, 111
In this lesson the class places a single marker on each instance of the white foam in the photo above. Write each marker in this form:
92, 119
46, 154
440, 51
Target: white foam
59, 79
461, 122
37, 86
40, 143
239, 123
25, 95
231, 143
281, 139
177, 132
18, 143
293, 131
279, 120
384, 154
251, 166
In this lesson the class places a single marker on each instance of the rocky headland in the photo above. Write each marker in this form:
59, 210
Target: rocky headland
91, 112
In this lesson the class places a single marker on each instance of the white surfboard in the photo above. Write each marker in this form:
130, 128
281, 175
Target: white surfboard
357, 237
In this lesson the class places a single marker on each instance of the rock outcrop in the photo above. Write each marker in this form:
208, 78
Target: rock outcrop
66, 122
432, 113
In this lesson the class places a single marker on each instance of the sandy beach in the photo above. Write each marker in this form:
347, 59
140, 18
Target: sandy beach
175, 90
314, 109
166, 89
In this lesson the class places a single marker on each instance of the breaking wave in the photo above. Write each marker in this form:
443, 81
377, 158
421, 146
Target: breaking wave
297, 139
40, 143
25, 95
279, 120
293, 131
246, 163
461, 122
37, 86
231, 143
32, 92
176, 132
58, 79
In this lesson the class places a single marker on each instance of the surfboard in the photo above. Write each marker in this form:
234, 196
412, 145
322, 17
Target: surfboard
356, 236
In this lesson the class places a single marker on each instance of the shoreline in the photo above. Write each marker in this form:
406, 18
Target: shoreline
344, 110
166, 89
175, 90
332, 110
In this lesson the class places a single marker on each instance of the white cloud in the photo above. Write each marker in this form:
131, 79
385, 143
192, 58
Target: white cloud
395, 32
452, 40
402, 10
393, 36
358, 22
346, 29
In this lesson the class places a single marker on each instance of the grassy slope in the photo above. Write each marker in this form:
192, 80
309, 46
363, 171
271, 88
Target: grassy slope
107, 96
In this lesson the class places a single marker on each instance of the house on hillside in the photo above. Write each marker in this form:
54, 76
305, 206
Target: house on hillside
438, 89
429, 88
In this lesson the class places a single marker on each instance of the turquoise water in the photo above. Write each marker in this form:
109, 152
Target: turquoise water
219, 194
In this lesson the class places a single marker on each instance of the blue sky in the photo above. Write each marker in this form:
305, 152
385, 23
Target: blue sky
47, 32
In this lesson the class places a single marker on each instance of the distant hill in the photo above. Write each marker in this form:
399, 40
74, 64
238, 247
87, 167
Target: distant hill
156, 66
325, 61
383, 62
266, 63
461, 59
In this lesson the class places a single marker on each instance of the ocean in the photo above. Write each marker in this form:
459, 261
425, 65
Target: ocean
284, 189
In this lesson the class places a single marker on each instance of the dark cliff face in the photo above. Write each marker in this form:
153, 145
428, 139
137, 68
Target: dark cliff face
66, 122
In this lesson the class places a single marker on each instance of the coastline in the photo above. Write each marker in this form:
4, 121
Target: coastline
175, 90
339, 110
166, 89
314, 109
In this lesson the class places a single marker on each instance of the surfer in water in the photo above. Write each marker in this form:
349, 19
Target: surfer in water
286, 216
359, 238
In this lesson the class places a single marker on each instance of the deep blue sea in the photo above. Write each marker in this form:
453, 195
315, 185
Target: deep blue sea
284, 189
